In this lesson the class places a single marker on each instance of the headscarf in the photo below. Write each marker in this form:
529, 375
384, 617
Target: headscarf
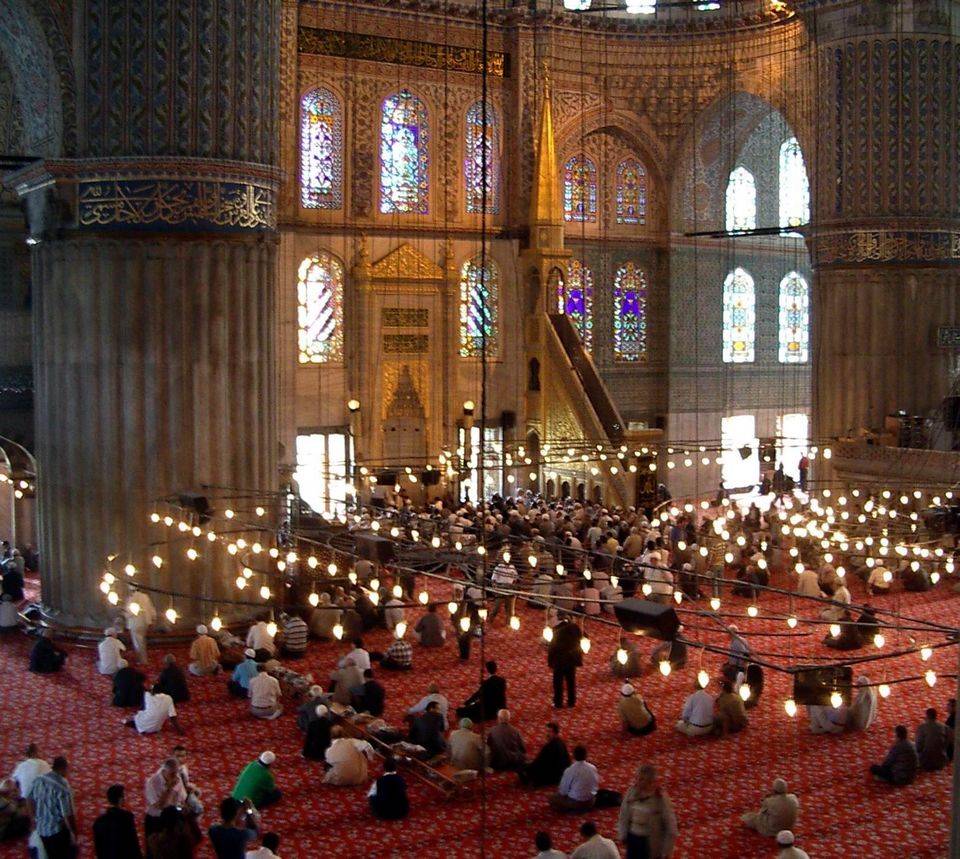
864, 708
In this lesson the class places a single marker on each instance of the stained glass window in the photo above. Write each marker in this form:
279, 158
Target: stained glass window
321, 150
631, 192
794, 320
741, 200
479, 300
320, 309
404, 156
474, 157
575, 298
794, 187
580, 190
739, 317
630, 314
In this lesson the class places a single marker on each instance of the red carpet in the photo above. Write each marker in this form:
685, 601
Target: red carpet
844, 811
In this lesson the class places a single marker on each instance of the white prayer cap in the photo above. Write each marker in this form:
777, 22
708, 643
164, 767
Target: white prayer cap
267, 758
316, 691
109, 631
321, 710
627, 690
733, 628
784, 838
250, 652
201, 630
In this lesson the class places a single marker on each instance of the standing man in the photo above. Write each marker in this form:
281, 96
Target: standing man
504, 579
115, 831
141, 615
52, 810
163, 789
564, 657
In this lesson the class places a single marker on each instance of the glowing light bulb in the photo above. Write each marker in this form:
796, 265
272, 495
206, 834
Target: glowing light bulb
792, 622
884, 690
678, 597
171, 614
647, 589
247, 573
397, 591
216, 624
614, 580
154, 517
452, 607
703, 678
337, 631
621, 656
514, 623
375, 526
548, 633
745, 691
926, 653
375, 598
665, 668
752, 611
400, 629
228, 513
394, 531
130, 569
105, 587
532, 560
836, 699
133, 608
879, 640
934, 577
192, 554
168, 521
465, 623
931, 678
791, 707
241, 583
715, 603
113, 598
374, 584
265, 593
423, 597
834, 630
271, 629
314, 599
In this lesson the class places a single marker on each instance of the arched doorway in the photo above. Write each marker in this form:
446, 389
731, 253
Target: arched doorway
565, 489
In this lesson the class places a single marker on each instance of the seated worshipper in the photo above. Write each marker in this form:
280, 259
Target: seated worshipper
293, 641
427, 731
164, 789
547, 768
932, 739
739, 649
350, 620
157, 708
433, 694
347, 759
14, 819
13, 577
849, 637
863, 710
577, 791
647, 823
317, 740
841, 600
359, 655
265, 695
611, 594
631, 664
46, 657
172, 681
346, 682
785, 841
307, 711
239, 683
393, 613
900, 765
544, 843
778, 811
753, 680
696, 719
399, 656
429, 631
109, 659
879, 580
828, 578
129, 686
371, 697
261, 641
27, 771
388, 794
256, 782
808, 584
507, 751
115, 831
269, 844
238, 827
914, 579
172, 839
204, 654
634, 713
868, 624
466, 747
488, 700
730, 716
9, 616
826, 719
594, 845
324, 617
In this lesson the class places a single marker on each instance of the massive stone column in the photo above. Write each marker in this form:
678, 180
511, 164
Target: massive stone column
154, 267
885, 239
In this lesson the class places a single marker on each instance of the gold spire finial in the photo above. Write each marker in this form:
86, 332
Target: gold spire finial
545, 209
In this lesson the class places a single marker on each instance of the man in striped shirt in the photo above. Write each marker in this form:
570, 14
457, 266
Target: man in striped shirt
295, 631
504, 579
52, 809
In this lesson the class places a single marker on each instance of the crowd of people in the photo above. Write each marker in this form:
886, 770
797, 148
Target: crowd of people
571, 561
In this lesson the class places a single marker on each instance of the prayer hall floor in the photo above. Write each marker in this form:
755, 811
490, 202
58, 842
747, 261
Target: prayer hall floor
844, 811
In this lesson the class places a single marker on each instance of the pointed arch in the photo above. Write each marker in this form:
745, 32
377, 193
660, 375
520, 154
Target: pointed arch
630, 314
482, 145
631, 199
739, 318
321, 150
404, 155
794, 187
479, 307
575, 299
741, 208
580, 190
320, 309
794, 328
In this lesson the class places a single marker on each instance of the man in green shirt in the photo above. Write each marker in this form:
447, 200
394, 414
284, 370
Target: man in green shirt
256, 782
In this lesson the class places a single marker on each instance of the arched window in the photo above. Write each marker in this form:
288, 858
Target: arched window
321, 150
739, 317
794, 320
320, 309
741, 200
479, 300
404, 156
794, 187
631, 192
575, 298
479, 145
580, 190
630, 314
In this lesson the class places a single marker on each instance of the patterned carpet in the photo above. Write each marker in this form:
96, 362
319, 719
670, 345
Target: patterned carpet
844, 811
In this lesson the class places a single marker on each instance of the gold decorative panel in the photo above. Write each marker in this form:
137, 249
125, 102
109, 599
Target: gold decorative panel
401, 52
405, 317
413, 370
405, 344
406, 263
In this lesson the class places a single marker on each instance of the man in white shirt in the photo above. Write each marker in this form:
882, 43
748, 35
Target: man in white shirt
161, 790
157, 708
393, 613
269, 844
578, 785
504, 578
696, 720
544, 844
109, 660
443, 704
265, 695
594, 845
141, 615
259, 638
360, 657
29, 770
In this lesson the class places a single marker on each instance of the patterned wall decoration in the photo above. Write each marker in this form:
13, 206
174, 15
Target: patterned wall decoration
406, 344
405, 317
404, 52
11, 117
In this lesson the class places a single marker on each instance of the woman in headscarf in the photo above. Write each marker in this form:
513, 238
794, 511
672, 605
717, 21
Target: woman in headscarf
864, 708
